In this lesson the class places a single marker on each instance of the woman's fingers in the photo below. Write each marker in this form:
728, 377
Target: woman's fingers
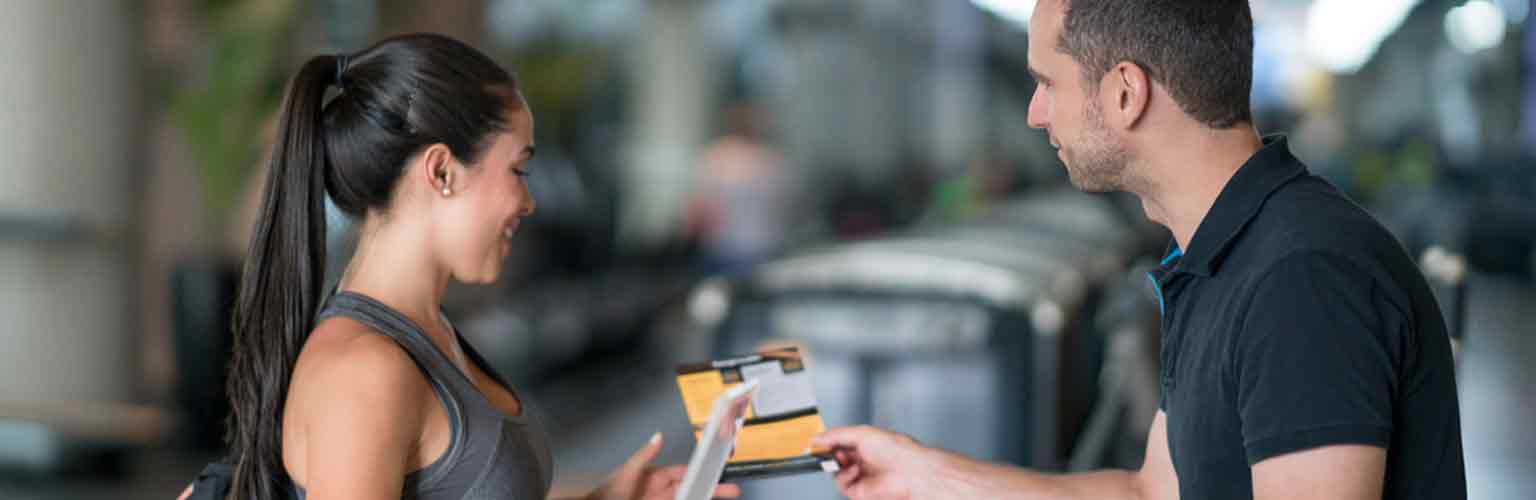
663, 481
727, 491
637, 464
674, 473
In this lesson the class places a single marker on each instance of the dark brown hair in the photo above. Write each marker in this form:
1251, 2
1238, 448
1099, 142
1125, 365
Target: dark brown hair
392, 100
1200, 50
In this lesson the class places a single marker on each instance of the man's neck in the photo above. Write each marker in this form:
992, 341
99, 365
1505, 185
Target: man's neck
1187, 172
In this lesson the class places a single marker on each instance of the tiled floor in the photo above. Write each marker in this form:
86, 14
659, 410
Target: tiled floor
637, 397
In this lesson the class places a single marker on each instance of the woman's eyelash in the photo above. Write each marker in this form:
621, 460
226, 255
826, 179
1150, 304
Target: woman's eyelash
520, 172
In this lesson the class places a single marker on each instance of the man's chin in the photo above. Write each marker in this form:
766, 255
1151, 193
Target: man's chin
1087, 185
1092, 189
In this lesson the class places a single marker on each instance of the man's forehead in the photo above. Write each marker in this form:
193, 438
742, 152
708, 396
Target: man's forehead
1046, 20
1044, 28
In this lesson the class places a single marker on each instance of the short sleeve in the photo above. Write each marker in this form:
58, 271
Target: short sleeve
1314, 364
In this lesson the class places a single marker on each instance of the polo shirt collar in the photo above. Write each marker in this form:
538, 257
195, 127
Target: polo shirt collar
1240, 200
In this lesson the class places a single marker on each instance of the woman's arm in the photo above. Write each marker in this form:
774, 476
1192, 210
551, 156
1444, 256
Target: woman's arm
362, 400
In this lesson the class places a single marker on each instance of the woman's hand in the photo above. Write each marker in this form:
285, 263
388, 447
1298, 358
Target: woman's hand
637, 479
185, 493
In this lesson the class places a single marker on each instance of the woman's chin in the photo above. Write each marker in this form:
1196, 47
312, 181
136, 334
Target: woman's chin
489, 278
485, 277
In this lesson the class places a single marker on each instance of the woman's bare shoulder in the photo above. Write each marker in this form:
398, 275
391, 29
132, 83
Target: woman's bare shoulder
346, 361
355, 410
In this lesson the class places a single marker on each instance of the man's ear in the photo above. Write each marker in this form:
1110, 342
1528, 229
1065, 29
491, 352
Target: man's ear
1129, 90
436, 168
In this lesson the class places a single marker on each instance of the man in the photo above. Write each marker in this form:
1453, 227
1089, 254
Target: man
1303, 355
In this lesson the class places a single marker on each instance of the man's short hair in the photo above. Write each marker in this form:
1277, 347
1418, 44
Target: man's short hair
1200, 50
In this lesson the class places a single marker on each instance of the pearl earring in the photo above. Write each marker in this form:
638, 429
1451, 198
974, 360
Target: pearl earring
447, 192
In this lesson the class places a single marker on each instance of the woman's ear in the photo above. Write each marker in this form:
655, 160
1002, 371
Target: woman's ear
437, 166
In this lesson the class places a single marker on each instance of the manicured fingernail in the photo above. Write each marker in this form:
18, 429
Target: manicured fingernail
655, 438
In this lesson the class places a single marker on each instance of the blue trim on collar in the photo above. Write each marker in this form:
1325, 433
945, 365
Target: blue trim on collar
1157, 288
1177, 252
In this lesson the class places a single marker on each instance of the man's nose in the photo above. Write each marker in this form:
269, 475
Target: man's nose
1037, 113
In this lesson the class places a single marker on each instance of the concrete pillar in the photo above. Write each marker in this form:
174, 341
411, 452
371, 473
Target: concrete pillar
69, 97
1528, 50
814, 105
959, 86
673, 106
851, 107
887, 54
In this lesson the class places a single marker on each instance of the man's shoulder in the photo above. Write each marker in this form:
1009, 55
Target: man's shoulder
1310, 219
1308, 234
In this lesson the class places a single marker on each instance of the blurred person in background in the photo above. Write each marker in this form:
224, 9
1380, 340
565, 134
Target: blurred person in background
1303, 353
368, 391
739, 211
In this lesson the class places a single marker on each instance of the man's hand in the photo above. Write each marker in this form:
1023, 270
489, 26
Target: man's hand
883, 465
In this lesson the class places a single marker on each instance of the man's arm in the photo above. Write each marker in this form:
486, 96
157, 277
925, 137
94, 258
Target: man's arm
1343, 472
1315, 371
881, 465
1155, 480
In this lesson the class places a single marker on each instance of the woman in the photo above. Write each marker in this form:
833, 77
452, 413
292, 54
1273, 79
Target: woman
368, 392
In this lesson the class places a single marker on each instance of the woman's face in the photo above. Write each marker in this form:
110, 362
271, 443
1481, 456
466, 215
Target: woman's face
486, 202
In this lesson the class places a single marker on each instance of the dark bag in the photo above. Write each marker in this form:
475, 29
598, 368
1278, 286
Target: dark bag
214, 482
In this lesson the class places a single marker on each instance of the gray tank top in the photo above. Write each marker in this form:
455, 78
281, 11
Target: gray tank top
491, 455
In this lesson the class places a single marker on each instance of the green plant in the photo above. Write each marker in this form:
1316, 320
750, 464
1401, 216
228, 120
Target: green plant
222, 113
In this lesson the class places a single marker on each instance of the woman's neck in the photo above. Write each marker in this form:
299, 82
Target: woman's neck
394, 265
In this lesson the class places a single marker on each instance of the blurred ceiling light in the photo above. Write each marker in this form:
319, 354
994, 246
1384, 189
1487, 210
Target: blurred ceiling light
1343, 34
1016, 12
1475, 26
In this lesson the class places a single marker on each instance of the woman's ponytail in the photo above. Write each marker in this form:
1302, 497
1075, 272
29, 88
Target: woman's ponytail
281, 285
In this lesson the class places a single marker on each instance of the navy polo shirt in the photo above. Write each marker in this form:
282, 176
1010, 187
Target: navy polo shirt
1294, 320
